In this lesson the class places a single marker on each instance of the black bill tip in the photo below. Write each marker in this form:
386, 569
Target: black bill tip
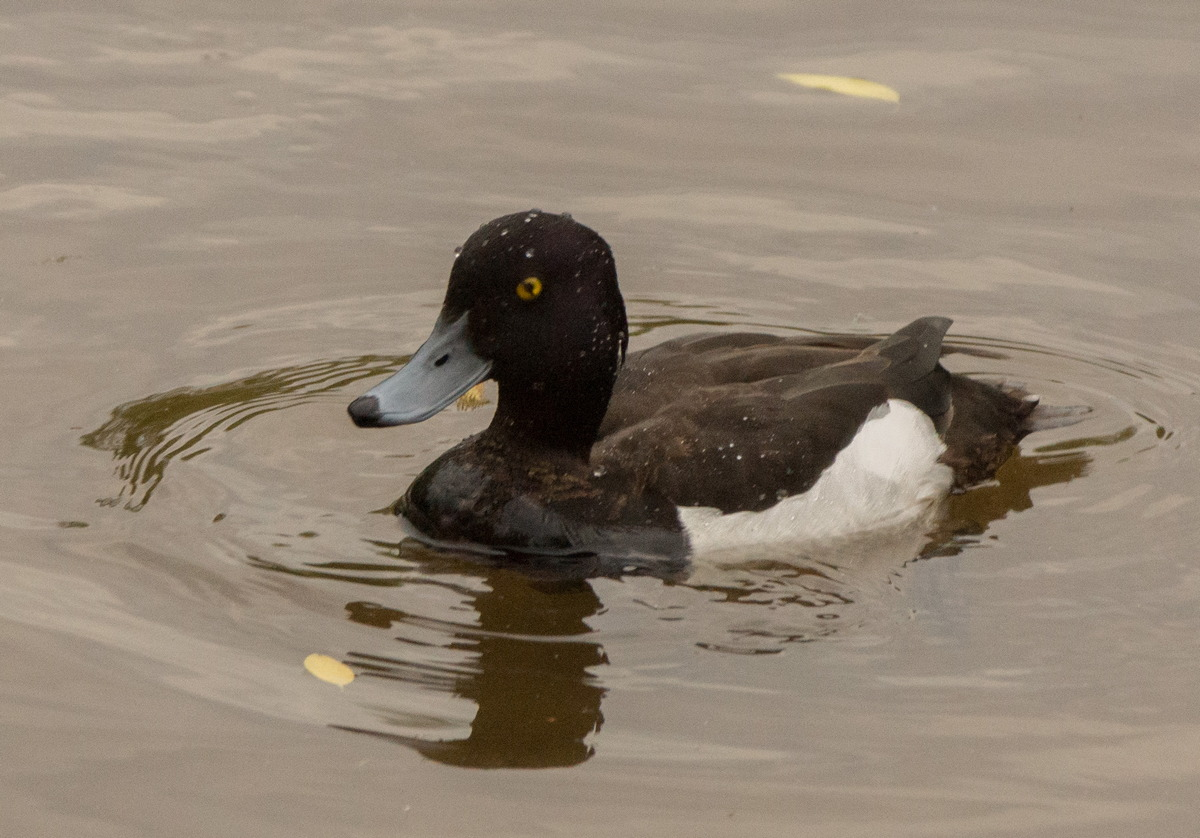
365, 412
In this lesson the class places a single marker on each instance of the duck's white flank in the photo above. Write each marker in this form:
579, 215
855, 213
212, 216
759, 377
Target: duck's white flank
888, 476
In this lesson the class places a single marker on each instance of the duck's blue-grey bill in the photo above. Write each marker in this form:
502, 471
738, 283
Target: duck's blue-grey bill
443, 369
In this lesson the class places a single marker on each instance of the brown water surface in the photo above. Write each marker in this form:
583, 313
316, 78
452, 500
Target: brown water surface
219, 225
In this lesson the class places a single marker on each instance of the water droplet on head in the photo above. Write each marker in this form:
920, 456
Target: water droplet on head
529, 253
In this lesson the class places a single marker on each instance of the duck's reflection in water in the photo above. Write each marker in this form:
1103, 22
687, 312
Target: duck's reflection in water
969, 515
530, 674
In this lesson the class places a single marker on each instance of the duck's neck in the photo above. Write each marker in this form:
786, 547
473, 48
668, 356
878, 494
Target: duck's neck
558, 416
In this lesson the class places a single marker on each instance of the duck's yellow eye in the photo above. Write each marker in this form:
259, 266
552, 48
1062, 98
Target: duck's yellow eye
528, 288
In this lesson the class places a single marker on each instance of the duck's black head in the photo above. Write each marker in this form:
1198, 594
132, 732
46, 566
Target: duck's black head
540, 293
532, 302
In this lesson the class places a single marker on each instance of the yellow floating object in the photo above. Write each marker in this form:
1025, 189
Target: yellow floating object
474, 397
330, 670
845, 85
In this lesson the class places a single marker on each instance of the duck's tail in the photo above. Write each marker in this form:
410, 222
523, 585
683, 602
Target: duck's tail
913, 369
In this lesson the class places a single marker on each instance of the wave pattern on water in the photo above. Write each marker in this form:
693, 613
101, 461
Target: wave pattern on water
146, 435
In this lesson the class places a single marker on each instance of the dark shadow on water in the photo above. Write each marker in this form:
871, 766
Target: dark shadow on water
528, 668
969, 514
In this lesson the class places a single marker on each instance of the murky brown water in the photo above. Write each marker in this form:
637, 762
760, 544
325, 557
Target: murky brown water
218, 225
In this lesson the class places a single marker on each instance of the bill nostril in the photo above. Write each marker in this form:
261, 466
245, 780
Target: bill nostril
364, 411
442, 360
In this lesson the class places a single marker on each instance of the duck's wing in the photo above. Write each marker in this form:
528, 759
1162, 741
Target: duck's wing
745, 444
656, 378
